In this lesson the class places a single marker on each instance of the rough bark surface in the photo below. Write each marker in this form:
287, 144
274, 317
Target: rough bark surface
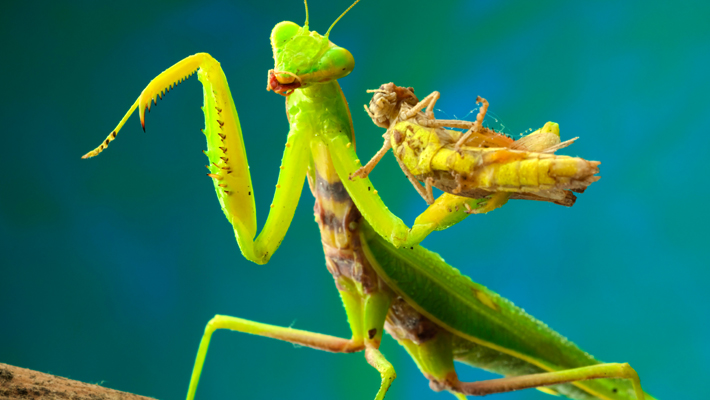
21, 383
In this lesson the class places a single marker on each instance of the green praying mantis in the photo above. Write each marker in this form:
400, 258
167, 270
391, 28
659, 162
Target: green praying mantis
385, 280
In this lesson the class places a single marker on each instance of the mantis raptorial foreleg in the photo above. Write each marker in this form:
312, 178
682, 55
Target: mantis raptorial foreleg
447, 210
228, 165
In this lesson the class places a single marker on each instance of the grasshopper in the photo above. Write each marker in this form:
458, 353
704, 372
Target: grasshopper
436, 313
478, 163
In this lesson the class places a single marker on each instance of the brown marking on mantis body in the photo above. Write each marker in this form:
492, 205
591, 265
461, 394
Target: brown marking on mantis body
405, 322
331, 221
335, 191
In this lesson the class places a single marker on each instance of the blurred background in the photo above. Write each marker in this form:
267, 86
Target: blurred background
111, 267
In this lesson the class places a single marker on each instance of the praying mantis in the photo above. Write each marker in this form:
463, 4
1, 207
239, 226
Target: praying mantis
385, 280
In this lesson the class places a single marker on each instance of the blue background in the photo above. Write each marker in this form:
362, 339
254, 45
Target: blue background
111, 267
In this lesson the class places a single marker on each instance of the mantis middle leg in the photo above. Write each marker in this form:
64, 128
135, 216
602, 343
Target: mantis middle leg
365, 315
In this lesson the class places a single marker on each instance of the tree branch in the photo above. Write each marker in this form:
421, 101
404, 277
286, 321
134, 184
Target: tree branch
21, 383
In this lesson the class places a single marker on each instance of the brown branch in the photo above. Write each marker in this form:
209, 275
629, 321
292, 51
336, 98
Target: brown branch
21, 383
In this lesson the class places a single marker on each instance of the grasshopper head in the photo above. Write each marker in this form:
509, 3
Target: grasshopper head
304, 58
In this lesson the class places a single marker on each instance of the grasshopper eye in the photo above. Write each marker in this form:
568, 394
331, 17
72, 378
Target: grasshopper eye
282, 33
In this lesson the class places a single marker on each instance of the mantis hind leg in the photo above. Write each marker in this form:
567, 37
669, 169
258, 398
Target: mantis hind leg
600, 371
435, 359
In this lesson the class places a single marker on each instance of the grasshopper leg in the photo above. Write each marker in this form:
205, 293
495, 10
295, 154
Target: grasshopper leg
304, 338
429, 191
477, 125
429, 102
365, 170
415, 182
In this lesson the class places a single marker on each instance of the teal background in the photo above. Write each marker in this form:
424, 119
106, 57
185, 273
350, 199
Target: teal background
111, 267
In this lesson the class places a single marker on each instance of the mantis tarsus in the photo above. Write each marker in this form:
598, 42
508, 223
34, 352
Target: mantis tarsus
436, 313
477, 163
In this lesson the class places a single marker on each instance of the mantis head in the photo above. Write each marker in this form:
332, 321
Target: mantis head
303, 58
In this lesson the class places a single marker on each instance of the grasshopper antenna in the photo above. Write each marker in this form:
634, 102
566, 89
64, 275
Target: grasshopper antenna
306, 23
341, 16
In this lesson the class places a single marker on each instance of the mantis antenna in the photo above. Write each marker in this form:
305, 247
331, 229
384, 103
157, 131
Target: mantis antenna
341, 16
306, 23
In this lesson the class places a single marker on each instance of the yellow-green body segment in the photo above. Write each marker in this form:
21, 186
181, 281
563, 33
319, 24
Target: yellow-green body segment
436, 313
477, 163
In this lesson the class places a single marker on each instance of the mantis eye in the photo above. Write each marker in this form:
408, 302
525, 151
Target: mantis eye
338, 62
282, 33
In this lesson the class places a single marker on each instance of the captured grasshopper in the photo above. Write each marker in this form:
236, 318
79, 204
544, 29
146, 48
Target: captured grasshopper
478, 163
432, 310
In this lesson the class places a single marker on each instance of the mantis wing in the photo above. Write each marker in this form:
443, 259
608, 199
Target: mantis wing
476, 314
